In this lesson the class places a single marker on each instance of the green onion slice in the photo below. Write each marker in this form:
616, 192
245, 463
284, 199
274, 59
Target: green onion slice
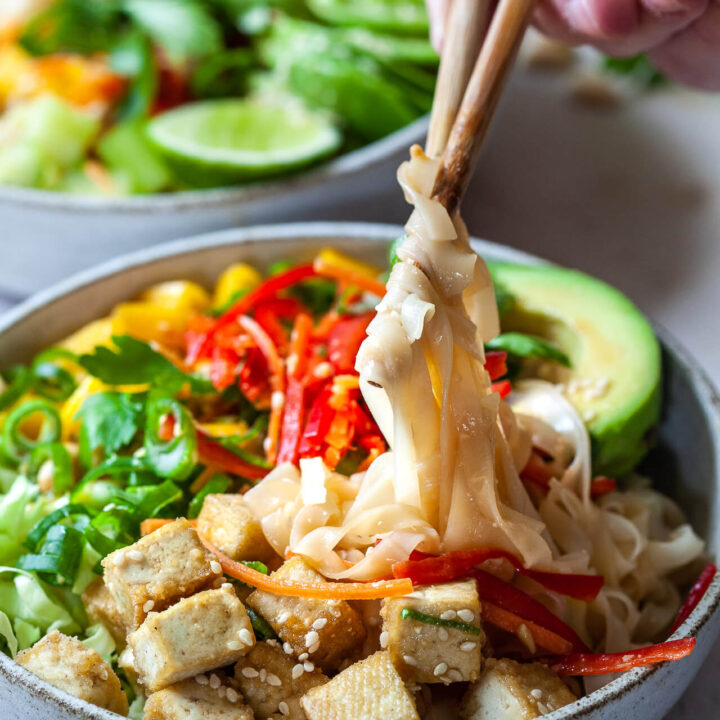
16, 444
57, 454
410, 614
175, 458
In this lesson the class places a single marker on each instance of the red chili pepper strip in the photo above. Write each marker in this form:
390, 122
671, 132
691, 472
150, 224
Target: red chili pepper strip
603, 663
345, 339
602, 486
695, 595
503, 388
496, 364
512, 623
493, 590
292, 422
212, 452
452, 565
269, 289
349, 277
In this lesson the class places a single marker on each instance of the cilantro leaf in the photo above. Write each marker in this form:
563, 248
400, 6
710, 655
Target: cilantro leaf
135, 363
522, 345
110, 420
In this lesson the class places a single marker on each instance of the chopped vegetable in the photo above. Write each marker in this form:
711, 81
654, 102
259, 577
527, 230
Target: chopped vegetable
409, 613
696, 594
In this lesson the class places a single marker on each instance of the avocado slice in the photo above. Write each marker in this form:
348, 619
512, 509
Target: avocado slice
615, 375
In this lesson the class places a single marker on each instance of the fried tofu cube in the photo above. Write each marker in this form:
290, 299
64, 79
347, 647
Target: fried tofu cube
229, 524
427, 653
273, 682
205, 631
368, 690
158, 570
508, 690
101, 608
197, 699
324, 631
69, 665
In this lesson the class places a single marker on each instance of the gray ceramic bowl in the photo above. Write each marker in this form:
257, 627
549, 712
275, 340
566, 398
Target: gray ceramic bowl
685, 464
81, 231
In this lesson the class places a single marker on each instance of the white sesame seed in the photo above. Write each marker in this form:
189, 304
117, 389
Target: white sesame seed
287, 648
443, 634
311, 638
246, 637
384, 637
323, 370
283, 617
536, 693
309, 667
303, 656
283, 708
267, 443
235, 645
221, 691
263, 674
272, 642
319, 624
466, 615
232, 695
226, 586
468, 646
440, 669
119, 559
455, 675
135, 555
314, 648
214, 681
216, 567
410, 660
297, 671
542, 709
448, 615
148, 606
277, 400
249, 672
273, 680
201, 679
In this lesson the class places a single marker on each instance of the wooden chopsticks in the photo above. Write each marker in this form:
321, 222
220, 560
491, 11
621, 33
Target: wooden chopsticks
480, 92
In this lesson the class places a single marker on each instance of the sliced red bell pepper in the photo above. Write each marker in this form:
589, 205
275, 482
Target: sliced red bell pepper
604, 663
696, 594
223, 367
453, 565
493, 590
502, 388
345, 339
496, 364
212, 453
602, 485
292, 422
318, 422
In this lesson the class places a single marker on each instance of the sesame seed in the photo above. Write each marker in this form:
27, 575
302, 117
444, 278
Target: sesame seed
232, 695
410, 660
273, 680
466, 615
323, 370
448, 615
384, 637
216, 567
536, 693
196, 554
235, 645
119, 559
297, 671
277, 400
201, 680
226, 586
283, 617
303, 656
214, 681
267, 443
311, 638
542, 709
263, 674
440, 669
443, 634
283, 708
221, 691
320, 623
287, 648
272, 642
148, 606
468, 646
135, 555
314, 648
246, 637
309, 667
249, 672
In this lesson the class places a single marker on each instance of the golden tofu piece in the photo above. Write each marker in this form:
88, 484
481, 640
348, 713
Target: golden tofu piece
158, 570
197, 699
368, 690
508, 690
324, 631
428, 653
69, 665
228, 524
101, 608
206, 631
269, 677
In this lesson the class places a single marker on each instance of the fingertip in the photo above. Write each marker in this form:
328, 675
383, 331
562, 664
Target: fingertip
603, 19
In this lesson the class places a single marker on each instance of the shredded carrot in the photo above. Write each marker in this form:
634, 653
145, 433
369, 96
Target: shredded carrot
318, 591
299, 342
150, 525
512, 623
342, 274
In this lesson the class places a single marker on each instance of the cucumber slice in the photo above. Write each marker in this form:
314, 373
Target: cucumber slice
20, 164
228, 141
399, 16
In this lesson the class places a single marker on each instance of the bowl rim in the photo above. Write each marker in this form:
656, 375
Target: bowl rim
185, 200
375, 233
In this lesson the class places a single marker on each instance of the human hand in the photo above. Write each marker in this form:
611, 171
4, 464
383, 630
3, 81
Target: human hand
680, 37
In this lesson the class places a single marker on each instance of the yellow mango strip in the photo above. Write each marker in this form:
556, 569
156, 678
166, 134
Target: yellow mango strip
235, 279
338, 259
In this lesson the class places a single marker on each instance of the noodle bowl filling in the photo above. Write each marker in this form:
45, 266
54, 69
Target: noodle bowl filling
318, 495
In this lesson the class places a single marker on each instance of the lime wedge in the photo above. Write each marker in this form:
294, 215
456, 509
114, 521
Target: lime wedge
221, 142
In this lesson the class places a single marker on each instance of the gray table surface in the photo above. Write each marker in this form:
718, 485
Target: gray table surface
631, 195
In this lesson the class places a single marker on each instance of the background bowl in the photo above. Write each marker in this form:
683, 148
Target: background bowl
685, 463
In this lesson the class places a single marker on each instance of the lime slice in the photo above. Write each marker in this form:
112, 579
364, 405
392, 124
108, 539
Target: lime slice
220, 142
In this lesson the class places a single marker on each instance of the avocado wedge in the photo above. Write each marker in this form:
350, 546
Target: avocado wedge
615, 376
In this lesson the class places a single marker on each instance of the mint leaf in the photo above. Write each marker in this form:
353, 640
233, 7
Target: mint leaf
110, 420
135, 363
